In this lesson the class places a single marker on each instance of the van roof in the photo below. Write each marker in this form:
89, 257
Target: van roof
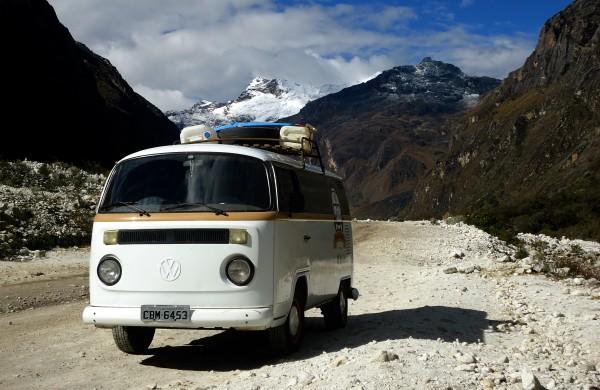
261, 154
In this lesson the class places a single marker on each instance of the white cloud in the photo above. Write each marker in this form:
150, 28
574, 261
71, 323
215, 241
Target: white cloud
478, 55
178, 51
390, 16
165, 99
466, 3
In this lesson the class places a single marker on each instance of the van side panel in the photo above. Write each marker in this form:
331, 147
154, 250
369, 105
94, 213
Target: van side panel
291, 259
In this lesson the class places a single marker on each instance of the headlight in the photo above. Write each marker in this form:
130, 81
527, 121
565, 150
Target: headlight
238, 236
109, 270
240, 271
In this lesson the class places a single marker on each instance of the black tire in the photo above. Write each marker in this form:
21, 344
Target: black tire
133, 339
336, 311
288, 337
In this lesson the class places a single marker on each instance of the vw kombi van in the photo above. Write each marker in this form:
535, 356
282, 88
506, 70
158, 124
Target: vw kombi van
217, 235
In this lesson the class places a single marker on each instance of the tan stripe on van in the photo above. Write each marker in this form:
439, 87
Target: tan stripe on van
208, 216
203, 216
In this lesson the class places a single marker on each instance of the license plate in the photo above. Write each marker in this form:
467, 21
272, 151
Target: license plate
165, 313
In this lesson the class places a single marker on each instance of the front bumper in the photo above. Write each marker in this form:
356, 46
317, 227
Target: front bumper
243, 319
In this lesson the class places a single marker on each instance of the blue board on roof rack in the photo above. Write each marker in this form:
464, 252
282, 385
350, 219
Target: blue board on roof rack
251, 124
251, 130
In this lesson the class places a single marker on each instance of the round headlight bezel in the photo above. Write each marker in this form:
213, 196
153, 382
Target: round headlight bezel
235, 261
103, 261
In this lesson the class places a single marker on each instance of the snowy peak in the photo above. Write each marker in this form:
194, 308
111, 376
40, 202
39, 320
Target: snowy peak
433, 82
262, 86
431, 68
262, 100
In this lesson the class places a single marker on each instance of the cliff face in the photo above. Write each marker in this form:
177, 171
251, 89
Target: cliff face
384, 134
62, 101
527, 158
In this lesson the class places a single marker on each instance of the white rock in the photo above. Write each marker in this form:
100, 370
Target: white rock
465, 367
529, 381
577, 281
588, 366
502, 360
579, 293
487, 384
292, 382
385, 356
466, 358
339, 361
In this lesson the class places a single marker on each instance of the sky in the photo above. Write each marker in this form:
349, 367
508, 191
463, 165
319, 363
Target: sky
177, 52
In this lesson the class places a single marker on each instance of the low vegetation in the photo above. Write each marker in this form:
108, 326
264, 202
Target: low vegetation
45, 205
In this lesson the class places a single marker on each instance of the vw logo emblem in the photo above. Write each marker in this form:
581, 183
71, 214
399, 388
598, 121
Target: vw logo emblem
170, 269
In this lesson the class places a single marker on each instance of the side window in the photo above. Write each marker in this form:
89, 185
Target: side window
316, 191
291, 199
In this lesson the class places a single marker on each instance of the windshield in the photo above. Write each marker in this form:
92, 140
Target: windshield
186, 182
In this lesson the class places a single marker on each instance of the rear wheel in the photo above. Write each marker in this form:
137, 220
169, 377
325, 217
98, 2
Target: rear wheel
288, 337
336, 311
133, 339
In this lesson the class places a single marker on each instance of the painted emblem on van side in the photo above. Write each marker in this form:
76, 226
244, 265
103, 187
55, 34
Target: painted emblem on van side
339, 241
170, 269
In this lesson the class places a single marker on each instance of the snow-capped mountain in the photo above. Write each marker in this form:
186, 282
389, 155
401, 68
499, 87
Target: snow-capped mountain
263, 100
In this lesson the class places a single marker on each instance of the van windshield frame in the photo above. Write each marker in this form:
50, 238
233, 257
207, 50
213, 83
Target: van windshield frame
200, 181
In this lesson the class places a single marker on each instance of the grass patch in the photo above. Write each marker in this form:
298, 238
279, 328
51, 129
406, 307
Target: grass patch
573, 214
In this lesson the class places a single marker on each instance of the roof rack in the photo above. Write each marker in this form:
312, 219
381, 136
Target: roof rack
274, 145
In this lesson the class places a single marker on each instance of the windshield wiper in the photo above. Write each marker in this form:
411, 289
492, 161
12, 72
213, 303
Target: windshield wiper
131, 205
216, 210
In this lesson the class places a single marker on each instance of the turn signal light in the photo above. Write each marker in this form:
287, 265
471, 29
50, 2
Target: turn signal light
238, 236
110, 237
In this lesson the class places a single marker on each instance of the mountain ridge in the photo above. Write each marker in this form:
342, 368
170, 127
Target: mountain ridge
526, 158
82, 110
384, 134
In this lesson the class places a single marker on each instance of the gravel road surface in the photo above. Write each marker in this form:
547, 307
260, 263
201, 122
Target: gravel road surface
440, 308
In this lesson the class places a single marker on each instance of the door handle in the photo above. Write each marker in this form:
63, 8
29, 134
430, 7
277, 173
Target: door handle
306, 237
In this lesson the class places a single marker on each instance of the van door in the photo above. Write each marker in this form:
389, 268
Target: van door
291, 254
318, 222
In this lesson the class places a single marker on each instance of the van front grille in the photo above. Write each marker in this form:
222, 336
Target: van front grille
173, 236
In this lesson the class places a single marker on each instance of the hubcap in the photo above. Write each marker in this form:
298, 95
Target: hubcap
293, 321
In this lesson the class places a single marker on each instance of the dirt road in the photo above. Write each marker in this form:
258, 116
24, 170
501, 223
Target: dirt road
438, 309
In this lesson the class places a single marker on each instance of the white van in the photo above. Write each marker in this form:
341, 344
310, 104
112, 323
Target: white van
217, 236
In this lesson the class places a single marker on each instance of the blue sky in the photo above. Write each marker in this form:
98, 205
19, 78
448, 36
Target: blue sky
487, 16
176, 52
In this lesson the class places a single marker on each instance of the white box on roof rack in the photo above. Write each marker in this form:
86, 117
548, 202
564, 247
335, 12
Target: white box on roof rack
196, 133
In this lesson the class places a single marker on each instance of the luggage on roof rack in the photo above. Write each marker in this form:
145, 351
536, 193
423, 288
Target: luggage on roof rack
284, 138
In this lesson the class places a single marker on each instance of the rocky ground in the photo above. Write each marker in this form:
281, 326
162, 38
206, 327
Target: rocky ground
442, 306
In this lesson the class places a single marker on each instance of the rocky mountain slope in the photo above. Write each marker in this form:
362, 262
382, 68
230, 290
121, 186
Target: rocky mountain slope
384, 134
62, 101
527, 158
263, 100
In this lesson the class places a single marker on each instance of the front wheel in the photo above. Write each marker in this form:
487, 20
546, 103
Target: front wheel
336, 311
133, 339
288, 337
